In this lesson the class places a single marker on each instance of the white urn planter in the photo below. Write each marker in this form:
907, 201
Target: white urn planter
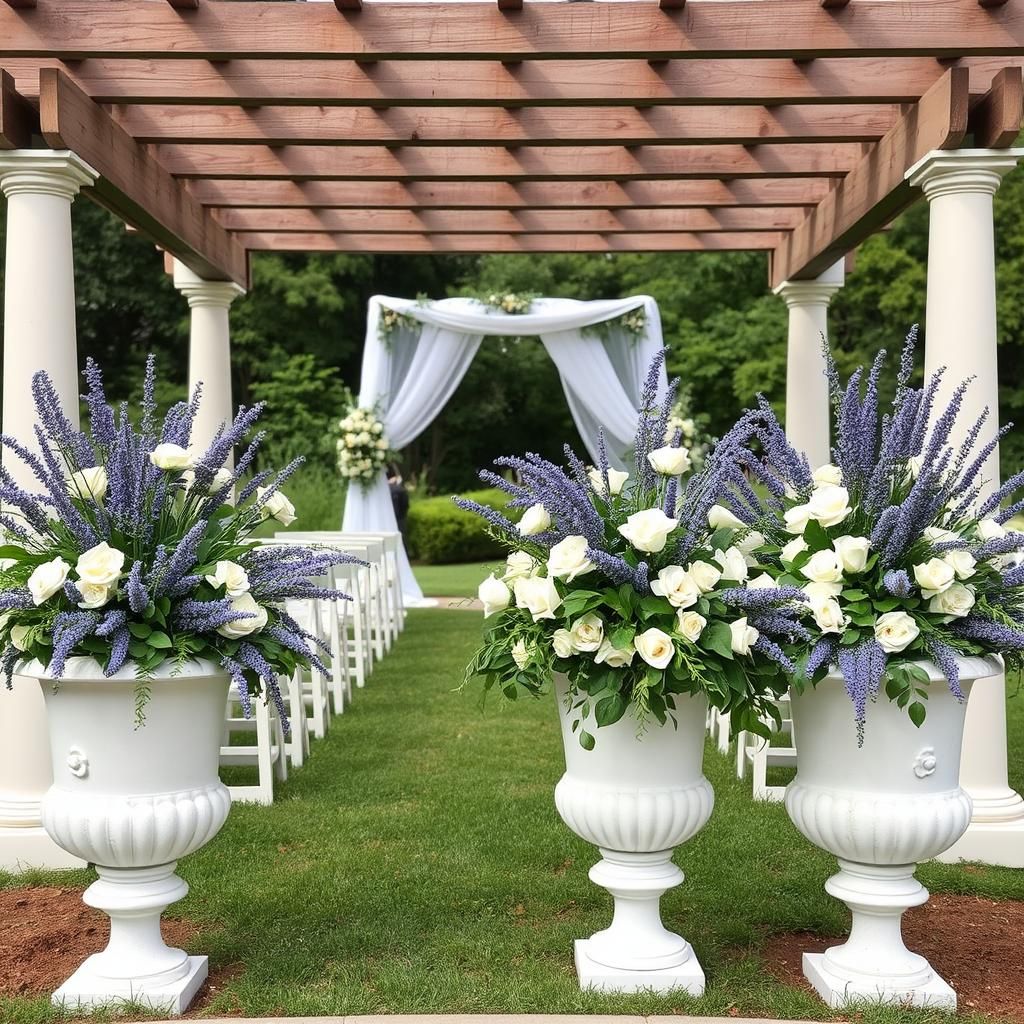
880, 808
132, 801
636, 796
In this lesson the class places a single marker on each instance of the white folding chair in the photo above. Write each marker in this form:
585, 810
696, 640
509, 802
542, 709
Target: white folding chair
268, 754
761, 754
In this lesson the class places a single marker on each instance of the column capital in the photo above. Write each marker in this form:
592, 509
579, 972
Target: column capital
817, 291
201, 292
55, 172
948, 171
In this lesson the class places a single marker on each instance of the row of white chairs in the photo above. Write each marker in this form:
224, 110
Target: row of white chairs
756, 753
358, 633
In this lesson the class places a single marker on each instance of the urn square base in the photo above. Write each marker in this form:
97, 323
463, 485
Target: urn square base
687, 977
85, 991
989, 842
837, 992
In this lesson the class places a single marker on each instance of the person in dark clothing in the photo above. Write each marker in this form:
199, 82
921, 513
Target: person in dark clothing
399, 498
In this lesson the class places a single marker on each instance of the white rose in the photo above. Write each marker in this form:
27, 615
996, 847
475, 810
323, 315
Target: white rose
852, 552
914, 464
47, 579
793, 548
938, 534
962, 563
744, 636
719, 516
934, 576
956, 602
276, 506
616, 480
677, 586
494, 595
797, 518
655, 647
829, 504
821, 591
101, 565
648, 530
587, 632
535, 520
895, 631
613, 657
94, 595
989, 529
669, 461
828, 615
762, 582
705, 575
568, 559
750, 542
827, 474
91, 481
823, 567
221, 478
561, 641
245, 604
517, 565
734, 565
170, 456
691, 624
231, 576
19, 637
521, 654
537, 594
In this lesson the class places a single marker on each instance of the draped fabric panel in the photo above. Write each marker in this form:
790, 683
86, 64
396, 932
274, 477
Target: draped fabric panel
408, 376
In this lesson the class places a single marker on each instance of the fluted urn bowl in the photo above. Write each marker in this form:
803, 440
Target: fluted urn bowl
136, 787
638, 794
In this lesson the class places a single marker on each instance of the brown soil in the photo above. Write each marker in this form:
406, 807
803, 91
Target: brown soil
974, 943
48, 932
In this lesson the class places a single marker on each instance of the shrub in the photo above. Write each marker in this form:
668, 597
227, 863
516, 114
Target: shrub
440, 532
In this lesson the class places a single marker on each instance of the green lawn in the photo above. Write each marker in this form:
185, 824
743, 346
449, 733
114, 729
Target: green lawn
454, 580
417, 864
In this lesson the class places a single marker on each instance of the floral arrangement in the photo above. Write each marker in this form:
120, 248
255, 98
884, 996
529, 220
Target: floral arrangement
639, 588
899, 552
690, 427
391, 321
513, 303
634, 322
362, 446
137, 550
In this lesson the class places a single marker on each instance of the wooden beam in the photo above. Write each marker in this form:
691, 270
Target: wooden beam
134, 185
995, 121
18, 118
875, 190
550, 126
487, 83
500, 164
420, 243
487, 195
513, 222
75, 29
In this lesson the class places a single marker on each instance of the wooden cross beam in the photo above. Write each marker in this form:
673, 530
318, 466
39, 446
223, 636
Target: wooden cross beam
995, 121
132, 183
491, 195
875, 190
501, 164
76, 29
18, 118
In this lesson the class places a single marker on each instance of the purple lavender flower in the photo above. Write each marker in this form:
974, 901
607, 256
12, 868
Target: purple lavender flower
897, 582
69, 630
946, 658
774, 652
760, 597
118, 651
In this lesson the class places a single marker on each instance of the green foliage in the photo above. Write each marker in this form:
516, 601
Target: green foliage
439, 532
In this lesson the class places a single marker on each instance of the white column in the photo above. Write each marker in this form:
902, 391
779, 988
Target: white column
209, 354
807, 398
960, 334
39, 334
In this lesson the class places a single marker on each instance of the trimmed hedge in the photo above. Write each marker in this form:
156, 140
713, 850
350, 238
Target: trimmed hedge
440, 533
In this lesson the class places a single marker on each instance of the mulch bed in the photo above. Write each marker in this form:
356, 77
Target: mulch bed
48, 932
976, 944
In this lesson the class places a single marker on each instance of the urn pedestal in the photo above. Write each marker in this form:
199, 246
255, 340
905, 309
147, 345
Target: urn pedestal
132, 800
880, 808
636, 796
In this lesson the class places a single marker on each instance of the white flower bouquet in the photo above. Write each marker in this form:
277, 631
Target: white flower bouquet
362, 446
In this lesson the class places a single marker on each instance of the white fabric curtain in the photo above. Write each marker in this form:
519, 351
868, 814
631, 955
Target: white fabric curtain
409, 376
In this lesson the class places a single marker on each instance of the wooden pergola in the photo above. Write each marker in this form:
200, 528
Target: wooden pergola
220, 128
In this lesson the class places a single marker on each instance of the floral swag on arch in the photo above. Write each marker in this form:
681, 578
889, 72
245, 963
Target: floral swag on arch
417, 353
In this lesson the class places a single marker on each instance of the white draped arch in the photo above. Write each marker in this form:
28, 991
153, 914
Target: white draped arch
410, 373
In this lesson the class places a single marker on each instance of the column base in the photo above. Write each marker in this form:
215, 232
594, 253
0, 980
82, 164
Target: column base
997, 843
86, 991
24, 848
687, 977
838, 992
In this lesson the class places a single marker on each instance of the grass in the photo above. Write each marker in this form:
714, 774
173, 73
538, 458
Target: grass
454, 580
417, 864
